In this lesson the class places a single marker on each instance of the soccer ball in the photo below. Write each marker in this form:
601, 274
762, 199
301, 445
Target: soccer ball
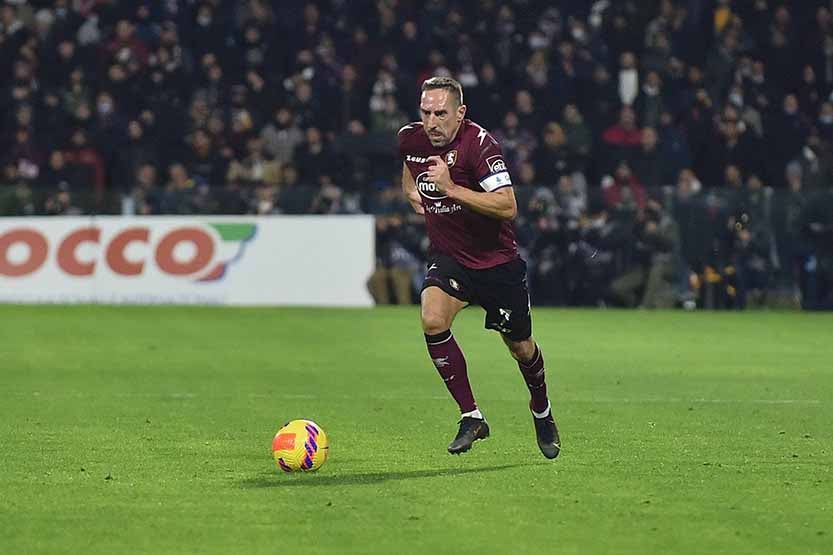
300, 445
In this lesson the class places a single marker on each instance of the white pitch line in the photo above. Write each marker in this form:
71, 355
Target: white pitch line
700, 400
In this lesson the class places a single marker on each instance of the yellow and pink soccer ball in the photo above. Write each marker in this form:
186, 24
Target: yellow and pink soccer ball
300, 445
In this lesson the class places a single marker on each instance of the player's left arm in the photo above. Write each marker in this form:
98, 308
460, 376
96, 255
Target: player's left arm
499, 204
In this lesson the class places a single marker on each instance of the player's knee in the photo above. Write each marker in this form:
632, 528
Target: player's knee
434, 322
522, 350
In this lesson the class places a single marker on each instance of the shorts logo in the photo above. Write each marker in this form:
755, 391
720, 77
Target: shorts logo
428, 189
496, 163
505, 319
453, 283
451, 157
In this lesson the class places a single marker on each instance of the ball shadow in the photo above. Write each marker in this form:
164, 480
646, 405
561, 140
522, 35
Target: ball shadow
278, 480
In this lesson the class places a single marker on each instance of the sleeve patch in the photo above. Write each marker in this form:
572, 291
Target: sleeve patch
496, 180
496, 163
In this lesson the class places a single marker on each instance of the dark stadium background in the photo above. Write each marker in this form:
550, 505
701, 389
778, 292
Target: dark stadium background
665, 153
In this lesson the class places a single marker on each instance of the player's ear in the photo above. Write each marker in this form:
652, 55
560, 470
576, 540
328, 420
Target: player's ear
461, 112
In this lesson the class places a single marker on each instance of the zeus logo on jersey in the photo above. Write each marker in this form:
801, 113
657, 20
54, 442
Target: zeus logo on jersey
415, 159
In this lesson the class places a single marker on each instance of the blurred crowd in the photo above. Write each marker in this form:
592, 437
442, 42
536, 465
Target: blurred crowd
665, 152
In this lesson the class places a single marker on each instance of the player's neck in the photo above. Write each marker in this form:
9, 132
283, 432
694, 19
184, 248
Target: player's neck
456, 132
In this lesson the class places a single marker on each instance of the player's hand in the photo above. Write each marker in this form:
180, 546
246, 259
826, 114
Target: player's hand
438, 175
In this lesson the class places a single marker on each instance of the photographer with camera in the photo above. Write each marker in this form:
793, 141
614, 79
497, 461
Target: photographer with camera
653, 261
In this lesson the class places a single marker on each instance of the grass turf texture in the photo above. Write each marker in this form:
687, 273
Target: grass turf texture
149, 430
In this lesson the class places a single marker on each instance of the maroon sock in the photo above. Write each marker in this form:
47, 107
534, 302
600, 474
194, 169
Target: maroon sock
451, 365
533, 373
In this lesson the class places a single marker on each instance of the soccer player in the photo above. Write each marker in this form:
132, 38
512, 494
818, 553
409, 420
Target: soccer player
454, 173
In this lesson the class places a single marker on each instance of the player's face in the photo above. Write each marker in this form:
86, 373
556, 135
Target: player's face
441, 116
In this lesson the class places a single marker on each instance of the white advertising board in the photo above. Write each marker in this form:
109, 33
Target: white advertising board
246, 260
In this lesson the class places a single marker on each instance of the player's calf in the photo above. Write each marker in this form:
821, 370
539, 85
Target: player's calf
450, 363
533, 373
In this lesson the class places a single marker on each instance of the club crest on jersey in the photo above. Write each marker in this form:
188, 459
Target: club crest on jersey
428, 189
450, 157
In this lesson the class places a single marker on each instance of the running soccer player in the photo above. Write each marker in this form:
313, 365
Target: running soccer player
454, 173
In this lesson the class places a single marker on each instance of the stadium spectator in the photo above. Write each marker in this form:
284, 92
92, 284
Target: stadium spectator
313, 157
388, 118
816, 160
649, 103
125, 48
146, 194
690, 212
397, 245
674, 151
203, 162
654, 261
177, 197
623, 190
87, 156
622, 140
487, 96
138, 152
282, 135
579, 135
817, 224
787, 132
61, 203
602, 100
732, 145
555, 158
67, 176
518, 143
628, 78
16, 198
751, 251
647, 162
529, 117
255, 169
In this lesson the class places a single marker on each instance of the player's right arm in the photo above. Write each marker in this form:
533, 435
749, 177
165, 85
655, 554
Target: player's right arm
410, 190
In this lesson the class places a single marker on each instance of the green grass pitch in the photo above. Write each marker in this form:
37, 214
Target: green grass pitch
148, 430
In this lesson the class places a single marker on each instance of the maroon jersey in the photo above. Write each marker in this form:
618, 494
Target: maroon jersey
475, 160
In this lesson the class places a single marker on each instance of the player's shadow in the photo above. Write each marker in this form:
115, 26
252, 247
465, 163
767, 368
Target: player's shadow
278, 480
